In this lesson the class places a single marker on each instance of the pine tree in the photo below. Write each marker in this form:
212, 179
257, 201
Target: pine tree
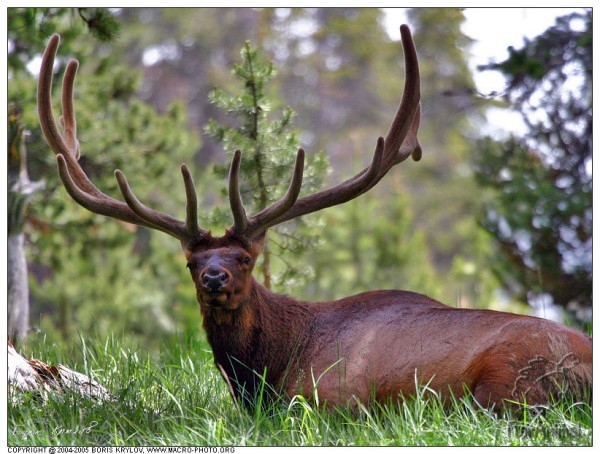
269, 148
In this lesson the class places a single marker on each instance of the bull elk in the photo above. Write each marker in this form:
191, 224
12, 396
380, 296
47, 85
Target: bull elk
374, 346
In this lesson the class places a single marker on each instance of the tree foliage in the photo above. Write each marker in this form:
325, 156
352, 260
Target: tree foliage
540, 215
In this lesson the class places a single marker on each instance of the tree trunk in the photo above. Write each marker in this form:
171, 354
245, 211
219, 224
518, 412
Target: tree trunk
20, 190
18, 289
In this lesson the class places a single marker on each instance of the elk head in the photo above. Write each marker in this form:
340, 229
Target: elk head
221, 267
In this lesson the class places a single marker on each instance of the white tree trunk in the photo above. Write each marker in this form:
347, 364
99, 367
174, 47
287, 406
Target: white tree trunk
20, 190
18, 289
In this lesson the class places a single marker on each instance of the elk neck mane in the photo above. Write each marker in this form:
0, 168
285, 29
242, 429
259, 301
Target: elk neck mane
263, 319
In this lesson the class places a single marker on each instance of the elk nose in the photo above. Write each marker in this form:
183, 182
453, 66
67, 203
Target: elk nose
214, 278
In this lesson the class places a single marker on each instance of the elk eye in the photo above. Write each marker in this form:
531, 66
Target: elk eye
189, 265
247, 260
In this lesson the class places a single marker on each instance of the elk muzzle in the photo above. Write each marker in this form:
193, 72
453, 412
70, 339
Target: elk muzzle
214, 279
215, 285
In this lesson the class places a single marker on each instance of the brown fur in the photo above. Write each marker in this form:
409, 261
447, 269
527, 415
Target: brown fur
378, 345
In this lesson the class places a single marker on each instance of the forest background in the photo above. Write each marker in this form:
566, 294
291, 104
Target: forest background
478, 222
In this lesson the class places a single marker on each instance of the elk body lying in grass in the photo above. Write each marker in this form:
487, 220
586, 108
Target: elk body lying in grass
372, 346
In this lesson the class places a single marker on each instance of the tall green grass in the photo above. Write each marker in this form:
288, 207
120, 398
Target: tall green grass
178, 398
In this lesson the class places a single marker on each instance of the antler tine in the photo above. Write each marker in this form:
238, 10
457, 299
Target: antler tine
411, 145
401, 139
91, 202
267, 217
68, 118
53, 137
158, 220
240, 221
191, 207
78, 185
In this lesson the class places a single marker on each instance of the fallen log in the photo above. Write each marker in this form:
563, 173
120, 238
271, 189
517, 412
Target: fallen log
35, 376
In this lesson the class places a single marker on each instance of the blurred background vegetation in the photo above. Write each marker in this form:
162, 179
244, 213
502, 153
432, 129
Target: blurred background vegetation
479, 222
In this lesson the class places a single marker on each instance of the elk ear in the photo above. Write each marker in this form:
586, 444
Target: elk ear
258, 243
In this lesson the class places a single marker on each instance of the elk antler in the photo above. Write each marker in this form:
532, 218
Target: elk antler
78, 185
400, 143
